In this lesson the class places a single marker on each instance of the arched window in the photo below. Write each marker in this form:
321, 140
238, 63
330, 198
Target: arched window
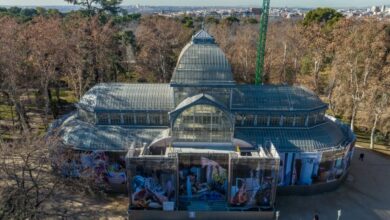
203, 123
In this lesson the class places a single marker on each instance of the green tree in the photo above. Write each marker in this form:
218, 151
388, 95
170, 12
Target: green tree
93, 6
326, 16
232, 19
111, 6
212, 20
187, 21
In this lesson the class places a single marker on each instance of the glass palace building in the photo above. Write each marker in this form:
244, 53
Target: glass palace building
204, 145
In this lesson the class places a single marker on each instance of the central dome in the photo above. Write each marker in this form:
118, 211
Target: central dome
202, 63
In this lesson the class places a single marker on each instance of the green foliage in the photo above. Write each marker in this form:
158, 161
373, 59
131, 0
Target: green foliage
91, 7
306, 65
325, 16
187, 21
251, 21
14, 10
111, 6
41, 11
126, 18
212, 20
127, 37
232, 19
53, 12
26, 14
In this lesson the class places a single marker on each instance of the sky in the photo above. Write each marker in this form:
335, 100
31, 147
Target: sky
274, 3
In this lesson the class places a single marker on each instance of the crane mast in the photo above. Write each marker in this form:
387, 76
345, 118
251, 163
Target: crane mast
262, 42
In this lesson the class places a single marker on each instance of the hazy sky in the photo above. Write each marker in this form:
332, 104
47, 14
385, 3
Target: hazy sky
275, 3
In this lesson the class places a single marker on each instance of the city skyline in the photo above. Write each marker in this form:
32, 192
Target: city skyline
274, 3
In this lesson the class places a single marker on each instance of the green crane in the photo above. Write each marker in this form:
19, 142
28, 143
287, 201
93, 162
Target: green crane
262, 40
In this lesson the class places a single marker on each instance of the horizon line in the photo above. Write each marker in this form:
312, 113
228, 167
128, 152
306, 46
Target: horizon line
189, 6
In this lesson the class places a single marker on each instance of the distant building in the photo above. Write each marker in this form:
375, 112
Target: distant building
375, 9
256, 11
383, 9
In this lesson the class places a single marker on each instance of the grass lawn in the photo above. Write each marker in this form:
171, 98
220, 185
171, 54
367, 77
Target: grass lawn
65, 94
35, 113
5, 112
384, 149
363, 140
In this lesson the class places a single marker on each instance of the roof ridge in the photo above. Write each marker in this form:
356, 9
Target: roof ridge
203, 37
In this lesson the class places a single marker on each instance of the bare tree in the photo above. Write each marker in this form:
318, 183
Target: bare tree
159, 41
47, 48
356, 62
14, 68
26, 182
91, 53
380, 103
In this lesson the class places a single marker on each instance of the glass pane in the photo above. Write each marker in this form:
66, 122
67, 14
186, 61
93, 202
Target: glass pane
288, 121
86, 116
116, 119
300, 120
262, 120
249, 120
141, 118
128, 118
275, 121
203, 123
155, 118
312, 119
239, 119
103, 118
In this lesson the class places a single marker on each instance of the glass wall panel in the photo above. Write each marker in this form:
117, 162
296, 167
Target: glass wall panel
141, 118
203, 123
321, 117
249, 120
312, 119
252, 182
239, 119
86, 116
288, 121
155, 118
128, 118
221, 94
203, 177
116, 118
103, 118
300, 120
152, 183
275, 121
262, 120
165, 118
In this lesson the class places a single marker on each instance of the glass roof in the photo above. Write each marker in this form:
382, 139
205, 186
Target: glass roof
127, 97
320, 138
84, 136
203, 63
274, 98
